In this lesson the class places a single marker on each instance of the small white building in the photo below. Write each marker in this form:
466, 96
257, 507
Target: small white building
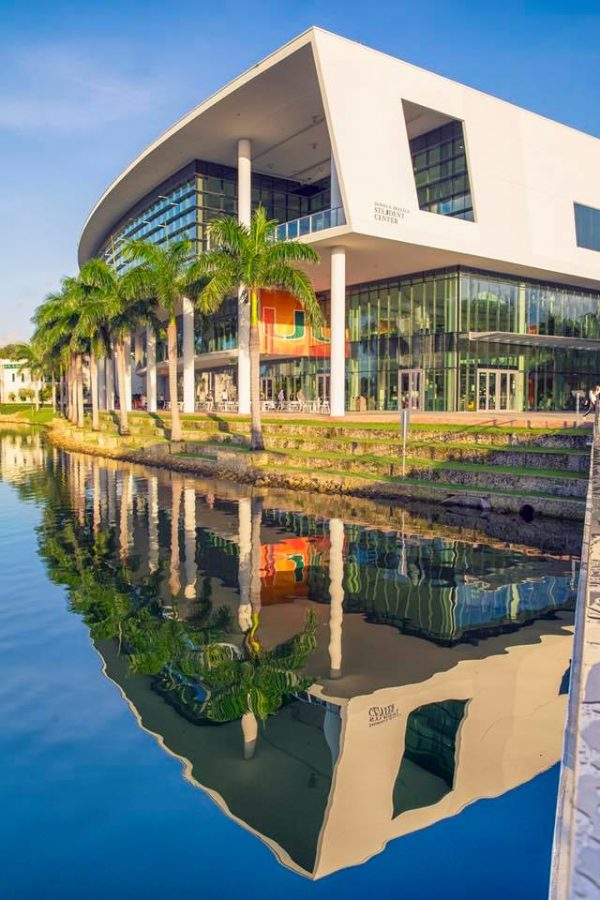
13, 380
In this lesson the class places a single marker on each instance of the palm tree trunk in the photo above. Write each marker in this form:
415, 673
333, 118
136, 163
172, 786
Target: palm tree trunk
94, 390
71, 390
68, 391
257, 442
176, 434
79, 389
36, 395
122, 379
53, 393
110, 380
61, 392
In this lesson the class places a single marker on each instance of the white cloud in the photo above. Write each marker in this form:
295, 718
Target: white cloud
57, 89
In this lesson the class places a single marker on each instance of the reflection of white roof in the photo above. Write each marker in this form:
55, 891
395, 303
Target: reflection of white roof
511, 732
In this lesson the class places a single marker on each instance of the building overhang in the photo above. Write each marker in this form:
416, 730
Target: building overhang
532, 341
370, 258
277, 105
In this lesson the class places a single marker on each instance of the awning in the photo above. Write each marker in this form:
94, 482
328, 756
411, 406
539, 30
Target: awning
554, 341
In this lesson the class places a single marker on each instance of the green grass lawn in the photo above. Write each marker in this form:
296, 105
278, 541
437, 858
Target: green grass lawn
26, 412
391, 427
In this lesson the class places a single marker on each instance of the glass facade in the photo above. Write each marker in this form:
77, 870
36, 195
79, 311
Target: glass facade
452, 339
443, 341
441, 174
587, 226
183, 207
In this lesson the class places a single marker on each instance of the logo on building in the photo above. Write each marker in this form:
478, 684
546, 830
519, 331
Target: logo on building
380, 714
387, 212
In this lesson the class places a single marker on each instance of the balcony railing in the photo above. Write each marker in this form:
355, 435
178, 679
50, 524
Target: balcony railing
319, 221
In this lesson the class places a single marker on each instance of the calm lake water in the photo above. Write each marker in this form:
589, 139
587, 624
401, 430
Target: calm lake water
219, 693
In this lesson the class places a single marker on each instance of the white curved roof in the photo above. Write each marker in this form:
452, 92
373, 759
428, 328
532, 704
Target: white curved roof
276, 104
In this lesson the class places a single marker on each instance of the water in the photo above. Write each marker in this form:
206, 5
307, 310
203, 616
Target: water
209, 691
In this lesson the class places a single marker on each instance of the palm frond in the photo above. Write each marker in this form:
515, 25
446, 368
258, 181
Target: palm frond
229, 235
297, 283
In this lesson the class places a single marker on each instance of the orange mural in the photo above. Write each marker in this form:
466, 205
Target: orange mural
284, 330
284, 567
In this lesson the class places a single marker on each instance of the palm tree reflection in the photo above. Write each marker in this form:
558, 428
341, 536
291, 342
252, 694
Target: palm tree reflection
196, 664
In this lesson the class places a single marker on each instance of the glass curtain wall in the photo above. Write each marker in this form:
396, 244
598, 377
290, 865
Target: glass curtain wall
183, 207
422, 340
418, 327
544, 378
441, 176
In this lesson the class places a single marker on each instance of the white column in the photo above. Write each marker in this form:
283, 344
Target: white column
336, 594
125, 514
245, 562
244, 215
153, 547
189, 529
250, 734
151, 369
110, 383
127, 353
188, 356
338, 331
101, 370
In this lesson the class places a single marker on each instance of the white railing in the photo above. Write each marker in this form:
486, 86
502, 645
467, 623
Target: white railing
319, 221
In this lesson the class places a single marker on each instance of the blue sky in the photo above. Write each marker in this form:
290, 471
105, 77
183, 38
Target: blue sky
84, 86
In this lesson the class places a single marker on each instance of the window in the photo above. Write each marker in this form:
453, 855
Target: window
427, 769
587, 226
440, 168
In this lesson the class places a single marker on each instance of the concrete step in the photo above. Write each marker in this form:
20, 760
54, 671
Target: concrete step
574, 460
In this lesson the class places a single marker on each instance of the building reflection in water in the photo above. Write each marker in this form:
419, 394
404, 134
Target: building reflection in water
330, 684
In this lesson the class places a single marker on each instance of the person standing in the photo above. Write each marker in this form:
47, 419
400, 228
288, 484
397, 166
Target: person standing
280, 399
593, 395
210, 401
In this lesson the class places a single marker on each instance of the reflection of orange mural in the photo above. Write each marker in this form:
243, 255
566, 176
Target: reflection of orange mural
284, 567
283, 328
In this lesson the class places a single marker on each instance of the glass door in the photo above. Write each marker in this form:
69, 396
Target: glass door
496, 390
411, 388
266, 388
323, 388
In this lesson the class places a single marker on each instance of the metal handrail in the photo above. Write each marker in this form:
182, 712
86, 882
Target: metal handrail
319, 221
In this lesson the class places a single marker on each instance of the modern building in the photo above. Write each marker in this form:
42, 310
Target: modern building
459, 237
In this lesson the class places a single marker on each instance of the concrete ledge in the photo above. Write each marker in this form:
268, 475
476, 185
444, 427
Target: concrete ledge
576, 853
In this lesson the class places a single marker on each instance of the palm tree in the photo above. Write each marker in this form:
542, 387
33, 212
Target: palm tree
251, 259
117, 306
166, 275
93, 326
55, 323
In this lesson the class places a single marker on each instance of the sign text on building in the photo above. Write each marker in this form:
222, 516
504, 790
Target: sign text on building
388, 212
380, 714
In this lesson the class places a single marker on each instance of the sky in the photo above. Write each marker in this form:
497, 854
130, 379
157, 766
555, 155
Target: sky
85, 86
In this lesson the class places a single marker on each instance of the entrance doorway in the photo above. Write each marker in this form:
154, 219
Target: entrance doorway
410, 388
266, 388
497, 390
323, 388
